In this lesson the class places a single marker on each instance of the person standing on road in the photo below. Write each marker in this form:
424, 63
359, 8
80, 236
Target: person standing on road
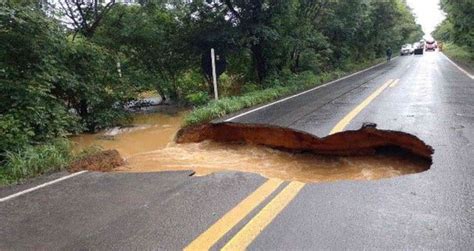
389, 53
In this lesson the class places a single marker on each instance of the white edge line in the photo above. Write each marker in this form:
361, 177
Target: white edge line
304, 92
40, 186
457, 66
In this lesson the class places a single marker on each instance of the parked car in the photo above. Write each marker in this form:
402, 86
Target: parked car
406, 49
430, 45
418, 48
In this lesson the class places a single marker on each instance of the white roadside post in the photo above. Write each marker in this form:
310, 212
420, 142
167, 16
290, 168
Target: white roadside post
119, 69
214, 77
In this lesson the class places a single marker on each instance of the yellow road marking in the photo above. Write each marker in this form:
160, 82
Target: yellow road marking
394, 83
256, 225
351, 115
208, 238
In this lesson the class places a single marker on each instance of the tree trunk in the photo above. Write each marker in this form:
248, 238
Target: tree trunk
260, 61
83, 108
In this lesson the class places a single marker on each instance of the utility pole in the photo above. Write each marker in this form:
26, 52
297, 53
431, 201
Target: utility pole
214, 77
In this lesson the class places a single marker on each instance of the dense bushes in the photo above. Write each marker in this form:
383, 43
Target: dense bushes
50, 86
29, 70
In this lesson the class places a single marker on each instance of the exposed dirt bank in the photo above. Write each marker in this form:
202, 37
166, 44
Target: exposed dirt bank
365, 141
102, 161
273, 152
365, 154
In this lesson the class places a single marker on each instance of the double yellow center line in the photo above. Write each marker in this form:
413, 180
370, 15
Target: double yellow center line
207, 239
242, 239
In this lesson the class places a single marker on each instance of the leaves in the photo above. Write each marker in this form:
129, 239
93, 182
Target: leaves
459, 25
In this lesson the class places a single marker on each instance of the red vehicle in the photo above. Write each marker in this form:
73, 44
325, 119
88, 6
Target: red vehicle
430, 46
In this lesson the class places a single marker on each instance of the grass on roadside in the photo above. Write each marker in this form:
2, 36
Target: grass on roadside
294, 84
32, 161
459, 54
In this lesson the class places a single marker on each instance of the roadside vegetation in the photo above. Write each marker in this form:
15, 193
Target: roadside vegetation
290, 85
456, 32
33, 160
68, 68
460, 54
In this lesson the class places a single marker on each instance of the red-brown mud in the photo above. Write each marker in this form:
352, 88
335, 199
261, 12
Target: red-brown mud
104, 161
273, 152
368, 140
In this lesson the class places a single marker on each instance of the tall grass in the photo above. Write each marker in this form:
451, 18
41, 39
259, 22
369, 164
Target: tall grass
460, 54
34, 160
289, 86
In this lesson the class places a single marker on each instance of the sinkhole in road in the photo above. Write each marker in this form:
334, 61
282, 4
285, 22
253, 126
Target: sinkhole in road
275, 152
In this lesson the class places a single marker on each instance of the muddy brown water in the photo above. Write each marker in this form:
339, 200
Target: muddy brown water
151, 132
149, 147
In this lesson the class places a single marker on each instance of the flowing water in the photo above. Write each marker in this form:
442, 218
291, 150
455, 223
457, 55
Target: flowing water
149, 147
151, 132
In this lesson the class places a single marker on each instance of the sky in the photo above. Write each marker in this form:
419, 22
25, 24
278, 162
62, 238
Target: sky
428, 14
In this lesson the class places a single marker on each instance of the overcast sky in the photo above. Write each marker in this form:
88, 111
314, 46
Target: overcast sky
428, 13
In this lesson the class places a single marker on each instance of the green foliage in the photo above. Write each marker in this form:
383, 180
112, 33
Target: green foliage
460, 22
457, 31
443, 31
458, 27
462, 54
29, 69
198, 98
260, 39
50, 86
45, 76
292, 84
92, 86
216, 109
150, 40
34, 160
14, 136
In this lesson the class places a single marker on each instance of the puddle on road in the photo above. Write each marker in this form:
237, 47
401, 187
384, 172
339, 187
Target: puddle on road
149, 147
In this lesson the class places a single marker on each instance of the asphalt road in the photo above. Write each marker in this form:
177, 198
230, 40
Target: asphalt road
432, 99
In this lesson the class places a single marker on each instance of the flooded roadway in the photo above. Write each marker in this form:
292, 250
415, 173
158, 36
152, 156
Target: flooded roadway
149, 147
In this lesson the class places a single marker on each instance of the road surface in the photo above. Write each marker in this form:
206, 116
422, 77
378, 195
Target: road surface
425, 95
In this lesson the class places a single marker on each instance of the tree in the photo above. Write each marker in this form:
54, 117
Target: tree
84, 16
460, 21
257, 22
205, 27
29, 68
443, 31
151, 39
